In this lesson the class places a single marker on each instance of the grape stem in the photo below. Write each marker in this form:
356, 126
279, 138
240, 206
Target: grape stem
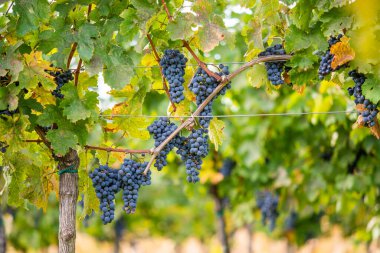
77, 71
157, 57
108, 149
187, 46
73, 48
224, 82
121, 150
200, 63
167, 10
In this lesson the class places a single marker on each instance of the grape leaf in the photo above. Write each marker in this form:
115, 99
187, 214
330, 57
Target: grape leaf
342, 52
211, 30
257, 76
90, 201
77, 107
181, 27
18, 166
85, 41
371, 90
216, 132
61, 140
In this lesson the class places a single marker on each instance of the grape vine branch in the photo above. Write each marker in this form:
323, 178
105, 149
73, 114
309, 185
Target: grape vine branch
224, 81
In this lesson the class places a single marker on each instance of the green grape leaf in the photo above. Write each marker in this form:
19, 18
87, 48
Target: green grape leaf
133, 126
297, 39
30, 14
118, 76
50, 116
257, 76
61, 140
77, 107
85, 41
128, 27
180, 28
371, 90
90, 201
19, 165
303, 60
302, 18
216, 132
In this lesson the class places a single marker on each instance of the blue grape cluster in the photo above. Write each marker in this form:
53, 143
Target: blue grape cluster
326, 60
228, 165
161, 129
192, 149
267, 203
202, 85
106, 184
132, 178
60, 78
274, 69
7, 112
370, 111
290, 221
3, 147
173, 64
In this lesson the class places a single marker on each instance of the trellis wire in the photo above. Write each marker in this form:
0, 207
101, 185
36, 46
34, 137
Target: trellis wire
191, 65
228, 115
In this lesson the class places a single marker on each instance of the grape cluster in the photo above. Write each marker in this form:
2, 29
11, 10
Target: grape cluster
3, 147
7, 112
370, 111
274, 69
290, 221
60, 78
132, 178
202, 85
228, 165
267, 203
326, 60
161, 129
173, 64
106, 184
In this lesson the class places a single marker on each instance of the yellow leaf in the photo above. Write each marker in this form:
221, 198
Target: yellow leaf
42, 96
299, 88
148, 60
216, 132
325, 86
342, 52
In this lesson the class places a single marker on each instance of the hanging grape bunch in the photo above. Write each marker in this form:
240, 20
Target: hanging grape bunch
161, 129
173, 65
202, 85
326, 60
275, 68
61, 77
267, 203
131, 178
3, 147
370, 111
106, 184
228, 165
